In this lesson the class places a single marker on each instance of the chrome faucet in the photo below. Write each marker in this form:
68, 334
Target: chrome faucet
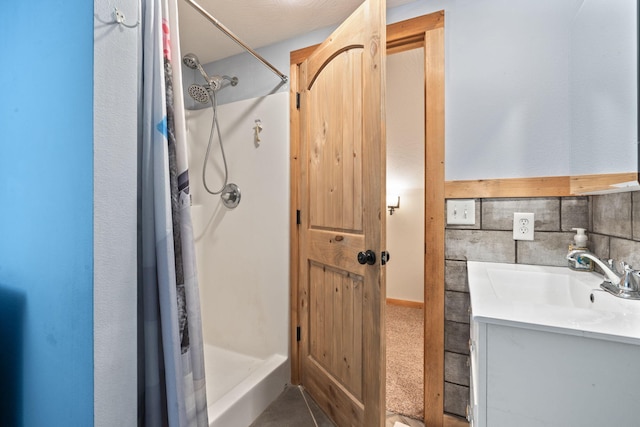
625, 284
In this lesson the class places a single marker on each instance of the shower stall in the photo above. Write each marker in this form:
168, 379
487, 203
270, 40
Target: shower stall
242, 254
239, 187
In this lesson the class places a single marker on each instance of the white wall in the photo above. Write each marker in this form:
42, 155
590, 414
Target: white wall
528, 88
243, 254
507, 94
405, 174
604, 81
115, 117
405, 243
507, 83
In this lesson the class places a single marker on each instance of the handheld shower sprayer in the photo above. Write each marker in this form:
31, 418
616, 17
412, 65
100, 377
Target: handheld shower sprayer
192, 61
229, 192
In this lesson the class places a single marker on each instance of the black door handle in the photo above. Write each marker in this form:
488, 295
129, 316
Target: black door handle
368, 257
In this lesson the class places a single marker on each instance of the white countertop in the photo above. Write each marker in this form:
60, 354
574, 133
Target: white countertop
555, 299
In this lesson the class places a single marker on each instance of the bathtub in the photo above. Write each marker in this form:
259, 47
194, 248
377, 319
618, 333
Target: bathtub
242, 257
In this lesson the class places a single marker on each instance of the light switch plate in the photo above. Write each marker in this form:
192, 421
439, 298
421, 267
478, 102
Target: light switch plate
461, 212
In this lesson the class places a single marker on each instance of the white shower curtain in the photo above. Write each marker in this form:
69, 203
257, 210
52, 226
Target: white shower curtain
174, 392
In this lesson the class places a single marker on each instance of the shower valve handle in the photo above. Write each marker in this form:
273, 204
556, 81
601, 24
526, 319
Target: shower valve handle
368, 257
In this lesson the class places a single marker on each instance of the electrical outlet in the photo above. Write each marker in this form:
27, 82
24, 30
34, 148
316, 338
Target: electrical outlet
461, 212
523, 226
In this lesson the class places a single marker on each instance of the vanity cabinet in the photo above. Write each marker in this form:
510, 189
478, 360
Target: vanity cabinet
522, 376
550, 348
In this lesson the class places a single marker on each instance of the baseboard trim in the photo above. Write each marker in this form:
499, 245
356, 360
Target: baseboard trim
405, 303
451, 421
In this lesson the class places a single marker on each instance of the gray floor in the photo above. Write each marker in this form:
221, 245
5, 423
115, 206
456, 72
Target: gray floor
291, 410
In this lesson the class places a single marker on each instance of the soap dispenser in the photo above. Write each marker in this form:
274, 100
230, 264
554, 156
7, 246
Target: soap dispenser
580, 243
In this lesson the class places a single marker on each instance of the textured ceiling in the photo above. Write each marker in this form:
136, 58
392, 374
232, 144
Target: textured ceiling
257, 23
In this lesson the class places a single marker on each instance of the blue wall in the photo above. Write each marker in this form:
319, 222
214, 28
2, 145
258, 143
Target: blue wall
46, 213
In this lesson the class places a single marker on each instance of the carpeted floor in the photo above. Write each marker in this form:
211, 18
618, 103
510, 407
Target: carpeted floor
405, 360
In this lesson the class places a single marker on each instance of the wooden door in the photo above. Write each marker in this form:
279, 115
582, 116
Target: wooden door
342, 213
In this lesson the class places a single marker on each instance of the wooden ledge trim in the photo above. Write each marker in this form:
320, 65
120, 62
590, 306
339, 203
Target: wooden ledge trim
550, 186
405, 303
585, 184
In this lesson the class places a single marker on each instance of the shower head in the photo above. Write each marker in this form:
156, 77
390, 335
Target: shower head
203, 93
199, 93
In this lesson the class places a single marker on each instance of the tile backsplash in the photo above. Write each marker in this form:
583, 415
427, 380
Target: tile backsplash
612, 231
616, 227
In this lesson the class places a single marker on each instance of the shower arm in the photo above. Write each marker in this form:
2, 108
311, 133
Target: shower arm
233, 37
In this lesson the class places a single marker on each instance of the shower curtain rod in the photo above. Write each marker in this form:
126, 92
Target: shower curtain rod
233, 37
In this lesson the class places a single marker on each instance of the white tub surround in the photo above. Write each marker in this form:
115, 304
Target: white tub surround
550, 348
239, 386
243, 277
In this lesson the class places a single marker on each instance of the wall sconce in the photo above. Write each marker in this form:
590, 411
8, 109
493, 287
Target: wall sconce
394, 207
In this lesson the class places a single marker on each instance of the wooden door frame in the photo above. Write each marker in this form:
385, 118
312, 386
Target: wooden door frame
425, 31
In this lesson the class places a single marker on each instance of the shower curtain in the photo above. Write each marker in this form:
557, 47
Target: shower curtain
172, 389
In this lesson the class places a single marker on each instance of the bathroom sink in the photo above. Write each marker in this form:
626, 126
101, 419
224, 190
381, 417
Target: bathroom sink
537, 287
551, 297
578, 290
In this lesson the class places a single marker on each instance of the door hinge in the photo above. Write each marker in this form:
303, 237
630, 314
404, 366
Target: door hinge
298, 220
297, 100
297, 333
